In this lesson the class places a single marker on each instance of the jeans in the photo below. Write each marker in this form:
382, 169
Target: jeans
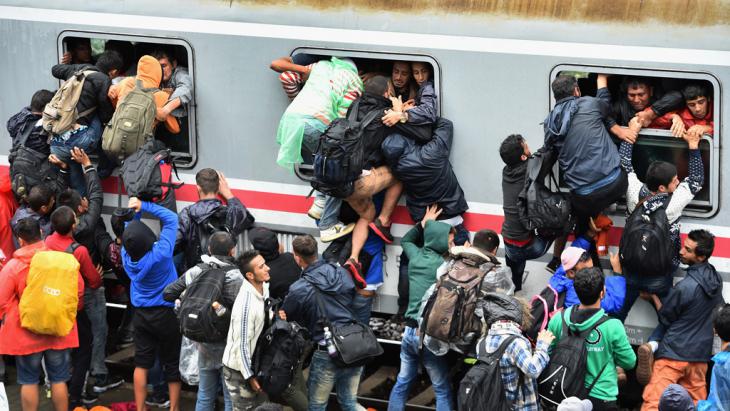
590, 205
95, 307
331, 212
658, 285
210, 382
361, 308
436, 367
81, 356
58, 366
324, 375
517, 257
86, 139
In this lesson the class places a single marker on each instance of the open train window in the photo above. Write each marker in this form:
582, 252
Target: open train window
85, 47
656, 142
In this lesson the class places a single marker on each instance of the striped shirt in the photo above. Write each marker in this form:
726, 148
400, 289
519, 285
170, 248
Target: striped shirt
292, 82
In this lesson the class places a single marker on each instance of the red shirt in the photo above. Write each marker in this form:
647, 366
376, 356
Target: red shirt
8, 205
688, 119
57, 242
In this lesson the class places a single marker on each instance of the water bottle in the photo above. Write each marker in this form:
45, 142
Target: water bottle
331, 349
220, 311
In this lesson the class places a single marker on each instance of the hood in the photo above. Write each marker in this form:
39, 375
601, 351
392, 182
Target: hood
498, 306
515, 173
203, 209
149, 72
396, 146
324, 276
436, 236
265, 242
25, 254
558, 121
219, 260
707, 278
582, 319
17, 122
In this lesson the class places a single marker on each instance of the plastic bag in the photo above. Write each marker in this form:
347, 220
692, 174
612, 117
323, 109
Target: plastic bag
499, 280
189, 362
4, 406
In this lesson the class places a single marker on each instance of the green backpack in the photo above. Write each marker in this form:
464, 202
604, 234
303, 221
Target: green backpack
132, 123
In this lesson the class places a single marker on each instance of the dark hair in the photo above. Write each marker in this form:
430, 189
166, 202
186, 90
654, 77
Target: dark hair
74, 42
721, 322
705, 242
208, 180
584, 257
39, 196
109, 60
63, 220
71, 198
244, 261
659, 173
486, 240
40, 99
511, 149
376, 85
695, 90
221, 243
588, 285
563, 86
28, 230
163, 53
634, 82
305, 246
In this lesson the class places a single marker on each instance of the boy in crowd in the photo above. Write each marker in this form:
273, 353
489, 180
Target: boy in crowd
148, 263
283, 266
31, 349
28, 120
695, 118
40, 202
686, 313
607, 344
719, 396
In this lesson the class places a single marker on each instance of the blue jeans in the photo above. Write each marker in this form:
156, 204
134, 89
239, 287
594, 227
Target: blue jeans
58, 366
210, 382
331, 212
516, 257
86, 139
95, 307
436, 367
658, 285
324, 375
361, 308
156, 378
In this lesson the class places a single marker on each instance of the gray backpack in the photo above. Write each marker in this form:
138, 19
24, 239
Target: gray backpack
132, 123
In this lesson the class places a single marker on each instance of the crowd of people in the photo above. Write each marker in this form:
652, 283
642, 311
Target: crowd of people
202, 313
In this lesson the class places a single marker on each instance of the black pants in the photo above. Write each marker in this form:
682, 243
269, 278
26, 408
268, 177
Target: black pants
81, 356
603, 405
590, 205
403, 284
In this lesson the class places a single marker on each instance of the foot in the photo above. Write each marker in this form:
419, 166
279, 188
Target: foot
336, 231
553, 265
355, 269
107, 382
645, 364
158, 400
89, 397
316, 210
381, 231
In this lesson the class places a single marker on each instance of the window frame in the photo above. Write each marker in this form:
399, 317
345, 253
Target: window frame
165, 41
696, 208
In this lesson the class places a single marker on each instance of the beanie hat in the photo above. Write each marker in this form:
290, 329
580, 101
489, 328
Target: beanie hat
138, 239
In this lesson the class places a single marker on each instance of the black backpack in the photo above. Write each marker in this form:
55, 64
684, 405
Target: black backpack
340, 157
542, 211
198, 320
482, 387
543, 307
147, 173
28, 167
646, 247
204, 230
566, 373
278, 354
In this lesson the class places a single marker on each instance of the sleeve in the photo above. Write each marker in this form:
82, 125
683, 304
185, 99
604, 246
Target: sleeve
7, 286
171, 123
104, 108
247, 339
291, 306
626, 150
182, 229
556, 327
420, 133
671, 101
62, 71
688, 188
95, 195
231, 287
530, 364
183, 87
88, 271
237, 216
439, 147
80, 293
425, 111
173, 290
61, 182
291, 82
603, 98
409, 240
672, 305
352, 93
165, 246
623, 354
664, 122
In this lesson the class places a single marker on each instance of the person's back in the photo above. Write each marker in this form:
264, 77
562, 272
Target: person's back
28, 120
284, 269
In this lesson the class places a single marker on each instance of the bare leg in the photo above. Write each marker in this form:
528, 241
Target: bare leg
360, 233
174, 388
29, 397
392, 194
59, 396
140, 387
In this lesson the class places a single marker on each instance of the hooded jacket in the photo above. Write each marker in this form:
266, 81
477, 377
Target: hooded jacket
336, 291
149, 72
85, 232
718, 397
423, 262
14, 339
606, 345
44, 221
513, 181
284, 270
8, 206
248, 317
93, 93
19, 123
426, 172
687, 315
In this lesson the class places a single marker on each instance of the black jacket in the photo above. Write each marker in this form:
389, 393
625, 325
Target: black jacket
687, 315
513, 181
90, 226
623, 111
284, 270
426, 172
19, 123
93, 94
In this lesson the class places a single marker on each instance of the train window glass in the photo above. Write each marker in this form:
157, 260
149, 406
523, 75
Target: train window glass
85, 47
658, 143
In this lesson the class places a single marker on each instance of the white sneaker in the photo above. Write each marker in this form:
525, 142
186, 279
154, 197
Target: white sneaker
316, 210
336, 231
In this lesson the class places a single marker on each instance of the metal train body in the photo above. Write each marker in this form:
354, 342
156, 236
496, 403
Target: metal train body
493, 63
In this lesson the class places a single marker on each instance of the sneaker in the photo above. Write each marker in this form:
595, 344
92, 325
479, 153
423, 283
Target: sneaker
316, 210
553, 265
106, 382
644, 364
381, 231
89, 398
336, 231
74, 403
355, 269
158, 400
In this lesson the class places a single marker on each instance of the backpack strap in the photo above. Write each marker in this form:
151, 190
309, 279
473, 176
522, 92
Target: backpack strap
24, 135
139, 85
497, 355
595, 380
73, 247
354, 110
85, 73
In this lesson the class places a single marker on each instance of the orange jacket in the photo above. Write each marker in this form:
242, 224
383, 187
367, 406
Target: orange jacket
149, 72
8, 205
688, 119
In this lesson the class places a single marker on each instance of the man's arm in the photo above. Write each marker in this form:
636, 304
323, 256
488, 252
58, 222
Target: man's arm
182, 230
88, 271
64, 71
691, 185
95, 194
173, 290
352, 93
246, 333
410, 239
166, 243
62, 176
104, 107
626, 150
671, 101
623, 354
425, 112
236, 216
7, 286
604, 102
530, 364
283, 64
231, 286
439, 147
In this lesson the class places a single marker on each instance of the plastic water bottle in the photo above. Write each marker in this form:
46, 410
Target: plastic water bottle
220, 311
331, 349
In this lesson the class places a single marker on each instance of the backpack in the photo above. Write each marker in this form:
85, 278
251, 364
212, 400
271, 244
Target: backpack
482, 387
646, 246
565, 375
147, 173
278, 354
60, 113
449, 313
50, 300
198, 320
542, 211
28, 167
132, 123
543, 307
205, 229
340, 157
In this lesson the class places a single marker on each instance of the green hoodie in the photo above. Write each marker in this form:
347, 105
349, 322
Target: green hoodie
607, 345
423, 261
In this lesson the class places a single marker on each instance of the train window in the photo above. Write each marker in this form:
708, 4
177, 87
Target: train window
656, 141
83, 47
